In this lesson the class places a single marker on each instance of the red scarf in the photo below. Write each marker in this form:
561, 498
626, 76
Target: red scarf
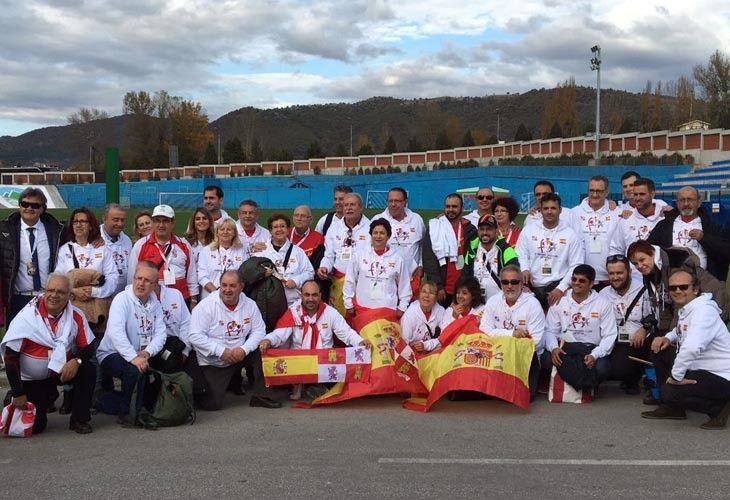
306, 323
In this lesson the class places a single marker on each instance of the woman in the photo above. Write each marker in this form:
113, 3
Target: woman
655, 264
505, 211
377, 276
468, 299
419, 325
225, 253
200, 232
142, 225
291, 265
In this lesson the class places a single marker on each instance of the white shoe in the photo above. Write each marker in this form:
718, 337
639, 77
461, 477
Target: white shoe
296, 393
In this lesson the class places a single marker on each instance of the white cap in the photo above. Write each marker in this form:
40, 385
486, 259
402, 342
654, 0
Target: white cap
163, 211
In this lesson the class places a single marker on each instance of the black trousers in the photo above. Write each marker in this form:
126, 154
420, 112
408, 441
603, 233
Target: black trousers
707, 396
622, 368
541, 293
663, 361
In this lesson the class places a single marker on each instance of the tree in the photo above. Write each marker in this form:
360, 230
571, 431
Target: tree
365, 149
522, 133
561, 108
210, 157
233, 151
714, 83
389, 148
315, 150
86, 115
414, 144
188, 129
256, 153
479, 136
442, 140
138, 103
555, 131
467, 141
492, 139
645, 125
147, 135
341, 150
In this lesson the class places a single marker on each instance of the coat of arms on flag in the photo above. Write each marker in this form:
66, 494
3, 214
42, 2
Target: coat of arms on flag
316, 366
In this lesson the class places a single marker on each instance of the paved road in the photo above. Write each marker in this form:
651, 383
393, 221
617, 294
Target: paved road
372, 447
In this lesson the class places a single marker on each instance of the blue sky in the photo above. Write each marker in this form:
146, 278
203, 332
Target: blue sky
59, 56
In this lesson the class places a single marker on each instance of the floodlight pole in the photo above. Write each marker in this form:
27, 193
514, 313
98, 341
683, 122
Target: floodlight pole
596, 66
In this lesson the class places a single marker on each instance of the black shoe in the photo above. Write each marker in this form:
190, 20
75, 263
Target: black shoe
80, 427
665, 413
719, 421
65, 408
52, 409
126, 421
264, 402
650, 400
631, 389
238, 391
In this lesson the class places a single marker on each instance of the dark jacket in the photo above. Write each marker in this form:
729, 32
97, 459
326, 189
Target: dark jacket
267, 291
715, 241
506, 256
437, 273
10, 247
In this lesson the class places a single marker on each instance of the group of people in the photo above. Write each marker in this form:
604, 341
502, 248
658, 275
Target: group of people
595, 287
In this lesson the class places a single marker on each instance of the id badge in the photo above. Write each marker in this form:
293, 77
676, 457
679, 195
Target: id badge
346, 254
594, 246
117, 384
168, 276
623, 334
547, 267
30, 268
459, 263
377, 292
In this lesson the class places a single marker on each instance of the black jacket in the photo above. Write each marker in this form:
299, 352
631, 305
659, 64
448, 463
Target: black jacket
715, 241
10, 247
437, 273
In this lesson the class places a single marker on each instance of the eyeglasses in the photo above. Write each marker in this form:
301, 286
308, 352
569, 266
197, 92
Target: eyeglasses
485, 197
510, 282
28, 204
684, 287
578, 279
596, 191
79, 222
616, 258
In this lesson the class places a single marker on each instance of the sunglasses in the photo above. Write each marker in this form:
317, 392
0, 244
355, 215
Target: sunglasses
578, 279
510, 282
616, 258
485, 197
683, 287
28, 204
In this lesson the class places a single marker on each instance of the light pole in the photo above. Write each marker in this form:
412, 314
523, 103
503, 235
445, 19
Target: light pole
497, 125
596, 66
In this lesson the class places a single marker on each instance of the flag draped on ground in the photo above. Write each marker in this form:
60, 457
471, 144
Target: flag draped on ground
470, 360
316, 366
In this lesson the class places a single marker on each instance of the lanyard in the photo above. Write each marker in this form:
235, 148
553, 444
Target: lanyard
298, 243
166, 254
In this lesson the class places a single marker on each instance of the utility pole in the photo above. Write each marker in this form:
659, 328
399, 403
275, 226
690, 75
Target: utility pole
351, 140
220, 157
596, 66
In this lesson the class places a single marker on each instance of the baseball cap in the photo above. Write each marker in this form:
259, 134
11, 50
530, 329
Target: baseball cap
163, 211
487, 220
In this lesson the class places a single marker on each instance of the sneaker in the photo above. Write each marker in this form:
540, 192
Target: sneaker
719, 421
80, 427
665, 412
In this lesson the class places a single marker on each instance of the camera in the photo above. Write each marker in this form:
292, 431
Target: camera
650, 324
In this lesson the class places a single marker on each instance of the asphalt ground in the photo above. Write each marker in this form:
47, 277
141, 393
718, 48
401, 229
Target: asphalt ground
371, 447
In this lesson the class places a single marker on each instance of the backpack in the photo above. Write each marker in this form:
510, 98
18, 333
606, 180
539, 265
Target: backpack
168, 400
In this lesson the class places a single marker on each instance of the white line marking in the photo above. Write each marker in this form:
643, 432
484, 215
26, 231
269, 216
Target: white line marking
4, 461
557, 461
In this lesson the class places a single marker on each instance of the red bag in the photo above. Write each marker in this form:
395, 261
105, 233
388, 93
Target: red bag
562, 392
18, 423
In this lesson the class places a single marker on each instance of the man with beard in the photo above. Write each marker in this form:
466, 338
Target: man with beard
485, 198
213, 201
491, 256
640, 223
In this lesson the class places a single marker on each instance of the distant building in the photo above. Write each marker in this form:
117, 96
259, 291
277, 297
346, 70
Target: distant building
694, 125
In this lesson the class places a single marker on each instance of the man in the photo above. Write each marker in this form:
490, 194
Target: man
491, 255
642, 220
690, 227
47, 344
325, 222
253, 236
697, 377
596, 222
213, 201
225, 329
548, 252
291, 265
539, 189
311, 242
29, 242
511, 312
408, 230
580, 332
343, 240
631, 306
176, 316
172, 255
627, 206
135, 332
118, 243
448, 246
485, 198
310, 324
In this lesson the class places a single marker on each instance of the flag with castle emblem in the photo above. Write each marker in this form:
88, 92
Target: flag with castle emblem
316, 366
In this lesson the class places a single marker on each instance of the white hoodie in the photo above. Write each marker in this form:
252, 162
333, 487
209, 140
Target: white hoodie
299, 269
636, 227
597, 228
702, 338
500, 319
414, 326
377, 280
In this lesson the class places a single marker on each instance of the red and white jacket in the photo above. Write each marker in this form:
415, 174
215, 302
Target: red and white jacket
179, 259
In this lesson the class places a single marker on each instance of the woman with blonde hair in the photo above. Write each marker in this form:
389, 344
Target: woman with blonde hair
225, 253
142, 225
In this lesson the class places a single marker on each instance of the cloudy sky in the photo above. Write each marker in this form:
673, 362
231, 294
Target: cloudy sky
57, 56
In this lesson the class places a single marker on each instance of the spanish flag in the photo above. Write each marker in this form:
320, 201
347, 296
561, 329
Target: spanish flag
470, 360
316, 366
336, 299
387, 374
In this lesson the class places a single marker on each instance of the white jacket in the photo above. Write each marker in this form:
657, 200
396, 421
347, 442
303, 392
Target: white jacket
637, 227
448, 317
213, 263
702, 338
549, 254
120, 251
377, 280
176, 315
133, 327
590, 322
621, 303
407, 237
98, 259
214, 327
414, 326
499, 319
597, 228
330, 323
260, 235
337, 254
299, 269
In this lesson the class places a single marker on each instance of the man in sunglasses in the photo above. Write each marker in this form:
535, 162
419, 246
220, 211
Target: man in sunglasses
29, 242
485, 198
631, 308
694, 375
514, 313
580, 332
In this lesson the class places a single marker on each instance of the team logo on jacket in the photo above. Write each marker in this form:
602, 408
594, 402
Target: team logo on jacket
594, 223
683, 238
546, 245
233, 329
401, 235
578, 321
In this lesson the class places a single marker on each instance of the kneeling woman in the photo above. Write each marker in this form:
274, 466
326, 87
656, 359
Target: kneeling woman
468, 299
377, 276
420, 325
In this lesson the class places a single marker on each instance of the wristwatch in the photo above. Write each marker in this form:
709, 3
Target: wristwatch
79, 361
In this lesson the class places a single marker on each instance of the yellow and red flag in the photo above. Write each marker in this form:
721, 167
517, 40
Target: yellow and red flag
316, 366
470, 360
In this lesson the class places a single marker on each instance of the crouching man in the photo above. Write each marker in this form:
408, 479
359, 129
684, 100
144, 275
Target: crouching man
49, 343
310, 324
226, 327
135, 332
